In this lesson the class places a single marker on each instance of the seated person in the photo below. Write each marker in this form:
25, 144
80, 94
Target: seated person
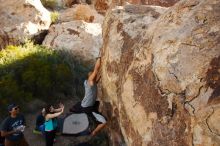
40, 122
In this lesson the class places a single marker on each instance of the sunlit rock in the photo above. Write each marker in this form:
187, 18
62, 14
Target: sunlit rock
160, 74
78, 38
21, 19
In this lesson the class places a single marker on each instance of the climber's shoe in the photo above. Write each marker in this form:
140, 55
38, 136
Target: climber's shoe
37, 132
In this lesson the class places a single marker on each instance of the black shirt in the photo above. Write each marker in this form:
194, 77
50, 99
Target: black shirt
10, 124
40, 121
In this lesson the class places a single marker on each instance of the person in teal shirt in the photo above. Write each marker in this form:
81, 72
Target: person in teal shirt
51, 123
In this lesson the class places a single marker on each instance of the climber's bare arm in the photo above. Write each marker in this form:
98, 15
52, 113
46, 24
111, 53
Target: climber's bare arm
93, 75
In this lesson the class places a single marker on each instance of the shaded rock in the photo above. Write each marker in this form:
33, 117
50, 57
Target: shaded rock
154, 66
4, 40
84, 144
77, 38
70, 3
22, 19
39, 37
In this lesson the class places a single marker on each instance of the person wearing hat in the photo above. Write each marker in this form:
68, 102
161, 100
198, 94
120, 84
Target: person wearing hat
13, 127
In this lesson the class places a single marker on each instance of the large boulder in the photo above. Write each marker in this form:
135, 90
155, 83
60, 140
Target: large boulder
22, 19
123, 29
161, 74
78, 38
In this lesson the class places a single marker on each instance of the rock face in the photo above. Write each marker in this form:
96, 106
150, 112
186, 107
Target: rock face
164, 3
81, 12
161, 74
4, 40
70, 3
22, 19
78, 38
122, 29
103, 5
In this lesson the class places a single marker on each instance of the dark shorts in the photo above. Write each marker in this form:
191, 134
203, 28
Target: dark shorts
77, 108
49, 137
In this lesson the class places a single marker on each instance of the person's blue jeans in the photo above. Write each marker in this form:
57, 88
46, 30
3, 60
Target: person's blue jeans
41, 128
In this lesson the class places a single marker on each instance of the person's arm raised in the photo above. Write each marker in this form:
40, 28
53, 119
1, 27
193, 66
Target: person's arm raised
51, 116
59, 109
92, 77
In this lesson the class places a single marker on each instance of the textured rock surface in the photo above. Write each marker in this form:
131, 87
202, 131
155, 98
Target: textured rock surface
4, 40
22, 19
161, 74
103, 5
164, 3
78, 38
122, 29
70, 3
81, 12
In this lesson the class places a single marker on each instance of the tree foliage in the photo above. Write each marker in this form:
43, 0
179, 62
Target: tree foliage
32, 71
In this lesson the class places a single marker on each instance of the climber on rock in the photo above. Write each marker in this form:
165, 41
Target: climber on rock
89, 101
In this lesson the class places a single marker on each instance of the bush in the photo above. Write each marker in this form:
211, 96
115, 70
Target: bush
54, 16
33, 71
49, 3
